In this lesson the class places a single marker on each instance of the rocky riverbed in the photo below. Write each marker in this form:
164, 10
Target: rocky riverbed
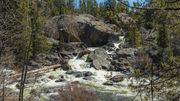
94, 54
100, 70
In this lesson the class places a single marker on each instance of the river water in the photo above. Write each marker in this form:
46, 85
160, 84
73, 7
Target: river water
118, 92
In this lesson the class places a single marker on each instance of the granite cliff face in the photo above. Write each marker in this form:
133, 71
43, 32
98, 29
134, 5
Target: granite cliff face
83, 27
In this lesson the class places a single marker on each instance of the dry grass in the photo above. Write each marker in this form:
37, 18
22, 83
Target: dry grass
8, 96
76, 92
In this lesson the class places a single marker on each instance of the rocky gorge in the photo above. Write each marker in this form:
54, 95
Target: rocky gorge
91, 53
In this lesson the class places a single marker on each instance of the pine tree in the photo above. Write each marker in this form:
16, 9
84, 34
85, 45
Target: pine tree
102, 9
95, 11
70, 5
39, 42
134, 36
82, 6
163, 37
89, 6
121, 7
114, 7
14, 26
110, 9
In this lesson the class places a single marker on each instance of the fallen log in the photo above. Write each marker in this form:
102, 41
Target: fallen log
45, 68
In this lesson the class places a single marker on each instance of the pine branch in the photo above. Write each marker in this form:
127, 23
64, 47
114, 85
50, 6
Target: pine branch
148, 8
174, 1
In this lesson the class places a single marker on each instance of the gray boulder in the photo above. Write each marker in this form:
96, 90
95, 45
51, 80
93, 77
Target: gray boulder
117, 78
89, 78
75, 73
61, 79
87, 73
108, 83
79, 73
83, 27
99, 59
127, 52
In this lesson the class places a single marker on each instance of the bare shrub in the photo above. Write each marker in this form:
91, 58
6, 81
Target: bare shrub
76, 92
8, 96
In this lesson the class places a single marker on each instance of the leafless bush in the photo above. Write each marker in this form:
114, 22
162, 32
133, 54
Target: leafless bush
8, 96
6, 61
76, 92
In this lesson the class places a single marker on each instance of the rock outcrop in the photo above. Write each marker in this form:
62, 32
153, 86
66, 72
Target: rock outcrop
83, 27
99, 59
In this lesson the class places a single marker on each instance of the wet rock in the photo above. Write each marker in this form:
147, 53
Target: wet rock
79, 74
99, 59
121, 66
87, 73
71, 49
99, 64
88, 78
70, 72
51, 77
38, 75
96, 54
75, 73
109, 83
117, 78
82, 53
18, 86
66, 66
61, 79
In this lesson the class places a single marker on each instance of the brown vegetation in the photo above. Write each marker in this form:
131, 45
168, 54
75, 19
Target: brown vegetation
76, 92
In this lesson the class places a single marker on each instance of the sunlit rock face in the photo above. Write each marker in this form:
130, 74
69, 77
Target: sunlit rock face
83, 27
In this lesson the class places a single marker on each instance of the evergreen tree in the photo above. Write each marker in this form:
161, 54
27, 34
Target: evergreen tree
70, 5
60, 7
134, 36
49, 8
121, 7
82, 6
39, 42
163, 37
89, 6
95, 11
14, 26
102, 9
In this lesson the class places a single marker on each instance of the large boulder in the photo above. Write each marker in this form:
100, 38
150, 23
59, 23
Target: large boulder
83, 27
122, 60
99, 59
